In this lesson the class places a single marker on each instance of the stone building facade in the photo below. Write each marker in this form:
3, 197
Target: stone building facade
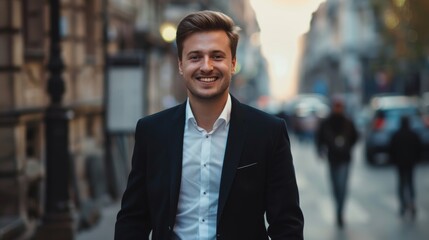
24, 53
342, 34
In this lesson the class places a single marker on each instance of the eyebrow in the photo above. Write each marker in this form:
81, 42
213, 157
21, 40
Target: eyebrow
199, 52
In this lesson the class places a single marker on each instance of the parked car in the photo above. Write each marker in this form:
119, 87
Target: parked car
385, 120
305, 112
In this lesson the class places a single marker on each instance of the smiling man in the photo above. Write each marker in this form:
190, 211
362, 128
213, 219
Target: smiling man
212, 167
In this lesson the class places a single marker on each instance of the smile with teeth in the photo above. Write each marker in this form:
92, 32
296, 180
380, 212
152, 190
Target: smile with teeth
207, 79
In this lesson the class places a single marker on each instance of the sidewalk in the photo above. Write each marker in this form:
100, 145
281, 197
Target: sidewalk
104, 230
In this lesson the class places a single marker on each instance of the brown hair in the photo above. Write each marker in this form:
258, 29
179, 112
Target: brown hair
205, 21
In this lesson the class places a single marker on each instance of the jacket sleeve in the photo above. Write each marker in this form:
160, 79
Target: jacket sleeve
319, 140
355, 133
133, 221
284, 214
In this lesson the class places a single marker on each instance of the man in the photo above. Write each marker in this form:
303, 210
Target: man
336, 137
210, 167
405, 151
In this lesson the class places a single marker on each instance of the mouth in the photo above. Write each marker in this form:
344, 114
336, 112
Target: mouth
207, 79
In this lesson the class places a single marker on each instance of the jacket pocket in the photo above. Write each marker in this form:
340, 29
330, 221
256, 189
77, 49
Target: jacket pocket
247, 165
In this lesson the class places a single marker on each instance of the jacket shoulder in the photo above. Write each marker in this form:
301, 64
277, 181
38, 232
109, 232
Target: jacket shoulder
260, 117
160, 117
162, 114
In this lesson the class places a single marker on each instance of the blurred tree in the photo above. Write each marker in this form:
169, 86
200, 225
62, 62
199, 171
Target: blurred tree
402, 25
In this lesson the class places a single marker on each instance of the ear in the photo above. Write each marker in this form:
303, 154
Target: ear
234, 63
179, 63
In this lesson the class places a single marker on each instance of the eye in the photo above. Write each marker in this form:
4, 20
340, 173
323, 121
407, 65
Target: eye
194, 58
218, 57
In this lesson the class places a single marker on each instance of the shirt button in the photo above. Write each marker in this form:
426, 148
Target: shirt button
207, 136
203, 220
204, 193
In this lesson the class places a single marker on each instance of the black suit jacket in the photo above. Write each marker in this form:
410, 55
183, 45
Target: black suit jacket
258, 178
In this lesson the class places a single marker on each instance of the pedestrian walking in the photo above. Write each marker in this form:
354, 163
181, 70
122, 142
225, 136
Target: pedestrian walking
211, 167
335, 138
404, 152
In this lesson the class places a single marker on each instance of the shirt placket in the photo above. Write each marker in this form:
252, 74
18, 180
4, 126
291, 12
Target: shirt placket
204, 187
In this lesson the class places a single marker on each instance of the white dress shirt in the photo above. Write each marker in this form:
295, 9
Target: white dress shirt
203, 154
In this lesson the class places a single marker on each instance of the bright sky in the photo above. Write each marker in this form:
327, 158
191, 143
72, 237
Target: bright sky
282, 24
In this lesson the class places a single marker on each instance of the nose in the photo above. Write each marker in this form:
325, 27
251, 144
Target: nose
206, 65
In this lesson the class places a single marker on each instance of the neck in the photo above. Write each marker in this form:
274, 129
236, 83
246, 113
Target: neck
206, 111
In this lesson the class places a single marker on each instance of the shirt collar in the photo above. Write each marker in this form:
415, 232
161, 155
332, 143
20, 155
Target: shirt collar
224, 115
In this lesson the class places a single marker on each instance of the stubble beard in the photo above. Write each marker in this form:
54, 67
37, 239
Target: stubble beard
201, 96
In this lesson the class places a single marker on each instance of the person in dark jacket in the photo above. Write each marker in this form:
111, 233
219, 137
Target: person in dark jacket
335, 139
404, 152
211, 167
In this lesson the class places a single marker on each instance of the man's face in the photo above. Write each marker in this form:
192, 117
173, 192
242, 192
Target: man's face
207, 65
338, 108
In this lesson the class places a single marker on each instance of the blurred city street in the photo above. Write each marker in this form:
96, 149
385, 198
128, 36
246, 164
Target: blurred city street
76, 76
371, 210
105, 229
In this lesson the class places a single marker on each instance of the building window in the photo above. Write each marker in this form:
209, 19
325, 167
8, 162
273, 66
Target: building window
33, 140
34, 170
34, 31
90, 31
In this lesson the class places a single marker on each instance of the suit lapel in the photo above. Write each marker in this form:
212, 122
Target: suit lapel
175, 149
233, 151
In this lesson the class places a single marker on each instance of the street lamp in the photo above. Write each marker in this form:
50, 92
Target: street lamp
168, 32
58, 219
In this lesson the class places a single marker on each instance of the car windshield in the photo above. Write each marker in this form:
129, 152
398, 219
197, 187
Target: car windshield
393, 118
